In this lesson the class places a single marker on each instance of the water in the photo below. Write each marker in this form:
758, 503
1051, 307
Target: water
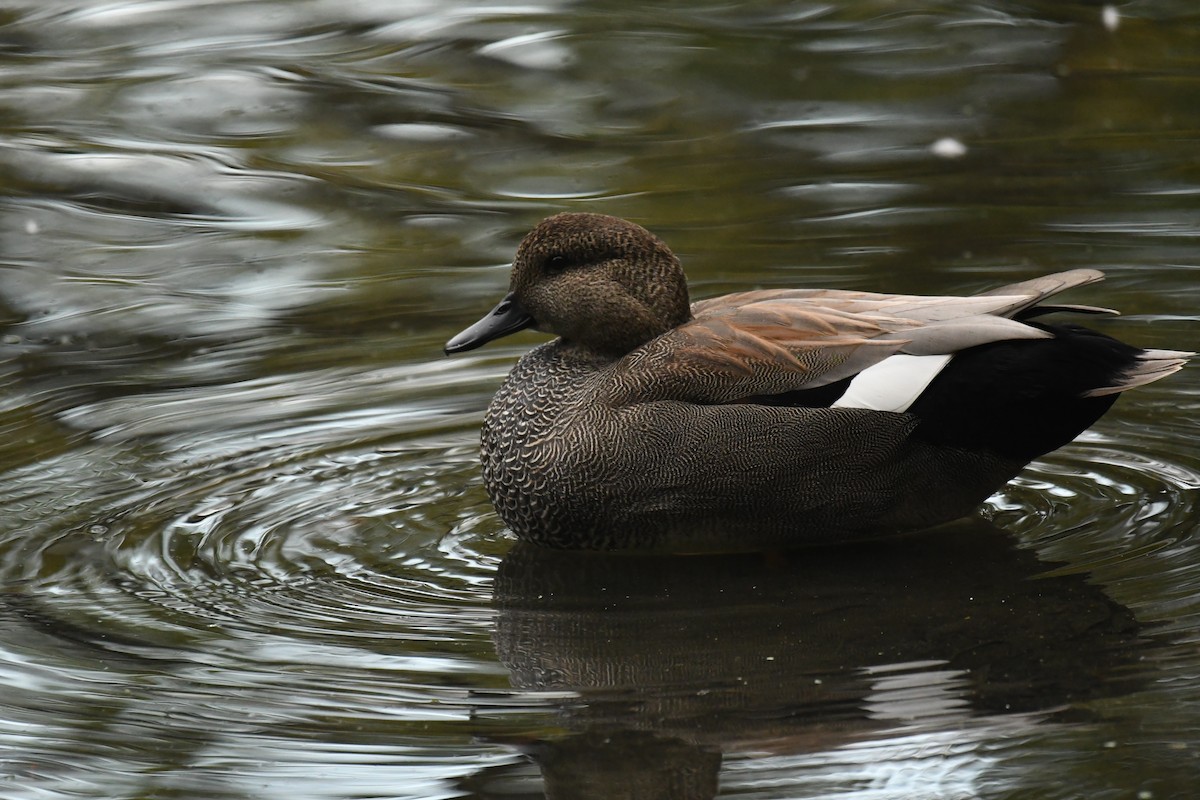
245, 551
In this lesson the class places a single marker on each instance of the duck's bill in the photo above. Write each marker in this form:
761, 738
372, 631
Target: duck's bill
507, 317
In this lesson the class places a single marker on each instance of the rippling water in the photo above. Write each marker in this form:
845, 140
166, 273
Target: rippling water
244, 548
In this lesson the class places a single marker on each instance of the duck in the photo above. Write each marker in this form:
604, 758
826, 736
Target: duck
770, 418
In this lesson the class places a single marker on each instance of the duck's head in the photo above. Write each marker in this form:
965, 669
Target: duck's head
601, 283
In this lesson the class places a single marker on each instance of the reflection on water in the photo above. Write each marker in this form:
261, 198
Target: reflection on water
868, 647
244, 549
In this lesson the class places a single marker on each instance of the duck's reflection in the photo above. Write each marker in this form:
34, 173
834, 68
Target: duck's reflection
671, 661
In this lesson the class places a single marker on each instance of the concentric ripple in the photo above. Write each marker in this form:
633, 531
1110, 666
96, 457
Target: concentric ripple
294, 570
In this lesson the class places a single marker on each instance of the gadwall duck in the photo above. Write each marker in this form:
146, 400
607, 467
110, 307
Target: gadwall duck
770, 418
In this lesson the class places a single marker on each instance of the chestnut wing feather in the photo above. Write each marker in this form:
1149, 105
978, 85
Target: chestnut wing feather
775, 341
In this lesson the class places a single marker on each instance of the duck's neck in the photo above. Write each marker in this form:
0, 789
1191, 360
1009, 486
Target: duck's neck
614, 343
588, 354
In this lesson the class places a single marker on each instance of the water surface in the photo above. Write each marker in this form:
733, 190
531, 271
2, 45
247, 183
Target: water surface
245, 551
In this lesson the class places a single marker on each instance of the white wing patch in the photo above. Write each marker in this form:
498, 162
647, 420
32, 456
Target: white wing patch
892, 384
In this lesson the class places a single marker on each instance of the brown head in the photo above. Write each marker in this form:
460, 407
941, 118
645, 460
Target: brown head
599, 282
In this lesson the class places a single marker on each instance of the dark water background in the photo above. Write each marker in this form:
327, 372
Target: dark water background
244, 549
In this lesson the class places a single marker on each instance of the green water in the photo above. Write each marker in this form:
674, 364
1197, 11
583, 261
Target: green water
244, 547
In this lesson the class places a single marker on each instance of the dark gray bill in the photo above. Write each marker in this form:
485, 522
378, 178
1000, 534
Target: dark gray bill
507, 317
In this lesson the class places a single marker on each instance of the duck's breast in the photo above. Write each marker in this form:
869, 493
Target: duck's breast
540, 441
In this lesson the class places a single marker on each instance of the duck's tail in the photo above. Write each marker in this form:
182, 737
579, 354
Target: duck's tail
1022, 399
1029, 294
1147, 367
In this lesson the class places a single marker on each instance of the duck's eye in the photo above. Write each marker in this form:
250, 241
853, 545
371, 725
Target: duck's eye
557, 262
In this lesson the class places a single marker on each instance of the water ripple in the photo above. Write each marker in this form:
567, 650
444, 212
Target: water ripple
1108, 508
